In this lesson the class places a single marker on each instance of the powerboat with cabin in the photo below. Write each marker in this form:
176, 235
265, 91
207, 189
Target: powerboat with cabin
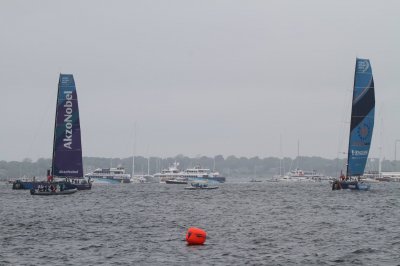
109, 175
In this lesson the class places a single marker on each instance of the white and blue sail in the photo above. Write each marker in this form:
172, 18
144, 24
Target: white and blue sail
362, 118
67, 148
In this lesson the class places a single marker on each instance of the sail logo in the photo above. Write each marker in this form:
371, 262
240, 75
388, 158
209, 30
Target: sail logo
363, 65
68, 119
363, 132
359, 153
69, 171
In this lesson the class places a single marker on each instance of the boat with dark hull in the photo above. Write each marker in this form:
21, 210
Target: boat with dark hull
200, 185
53, 192
350, 184
80, 184
25, 184
361, 128
66, 166
67, 147
177, 181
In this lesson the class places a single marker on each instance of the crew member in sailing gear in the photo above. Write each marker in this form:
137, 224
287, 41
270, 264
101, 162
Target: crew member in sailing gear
342, 177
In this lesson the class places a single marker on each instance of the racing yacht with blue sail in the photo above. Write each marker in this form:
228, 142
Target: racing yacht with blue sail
361, 128
66, 167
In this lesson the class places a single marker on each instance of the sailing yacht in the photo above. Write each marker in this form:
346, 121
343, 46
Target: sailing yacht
66, 165
361, 128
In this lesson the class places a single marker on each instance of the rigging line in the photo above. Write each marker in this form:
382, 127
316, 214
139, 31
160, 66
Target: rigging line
341, 136
45, 113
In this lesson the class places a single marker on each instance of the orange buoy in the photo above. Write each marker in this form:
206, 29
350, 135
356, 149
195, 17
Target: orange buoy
196, 236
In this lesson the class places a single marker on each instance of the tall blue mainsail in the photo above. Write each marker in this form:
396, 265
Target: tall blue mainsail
67, 149
362, 118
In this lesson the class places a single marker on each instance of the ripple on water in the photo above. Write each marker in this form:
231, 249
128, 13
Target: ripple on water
247, 223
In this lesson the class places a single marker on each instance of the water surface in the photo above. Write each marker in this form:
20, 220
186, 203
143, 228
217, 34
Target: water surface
266, 223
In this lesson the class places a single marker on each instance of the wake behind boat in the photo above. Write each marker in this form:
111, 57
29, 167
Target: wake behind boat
361, 128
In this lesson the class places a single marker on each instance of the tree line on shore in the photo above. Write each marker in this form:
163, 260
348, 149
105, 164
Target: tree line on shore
231, 166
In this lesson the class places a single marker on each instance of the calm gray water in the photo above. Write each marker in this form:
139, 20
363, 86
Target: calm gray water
247, 223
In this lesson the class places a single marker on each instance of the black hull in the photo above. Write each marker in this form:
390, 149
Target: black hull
27, 185
176, 182
83, 186
353, 185
53, 193
199, 188
18, 184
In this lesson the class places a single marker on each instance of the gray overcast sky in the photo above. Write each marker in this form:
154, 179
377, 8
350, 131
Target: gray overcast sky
198, 77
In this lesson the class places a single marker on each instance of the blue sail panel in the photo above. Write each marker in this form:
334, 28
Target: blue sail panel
67, 147
362, 118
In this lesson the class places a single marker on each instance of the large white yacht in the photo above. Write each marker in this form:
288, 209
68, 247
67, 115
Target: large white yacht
190, 174
109, 175
172, 173
301, 175
196, 173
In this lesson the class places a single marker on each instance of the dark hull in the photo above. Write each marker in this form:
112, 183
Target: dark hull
177, 182
80, 184
87, 186
31, 185
199, 188
53, 193
353, 185
27, 184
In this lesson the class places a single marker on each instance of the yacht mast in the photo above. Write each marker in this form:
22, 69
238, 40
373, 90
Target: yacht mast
134, 149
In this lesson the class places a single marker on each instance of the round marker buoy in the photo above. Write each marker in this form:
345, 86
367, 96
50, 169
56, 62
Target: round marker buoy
196, 236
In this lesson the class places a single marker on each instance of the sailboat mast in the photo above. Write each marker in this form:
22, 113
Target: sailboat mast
281, 170
134, 150
55, 126
148, 165
214, 164
351, 118
298, 154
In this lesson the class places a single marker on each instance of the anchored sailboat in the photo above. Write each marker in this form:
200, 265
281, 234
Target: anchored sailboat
361, 127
